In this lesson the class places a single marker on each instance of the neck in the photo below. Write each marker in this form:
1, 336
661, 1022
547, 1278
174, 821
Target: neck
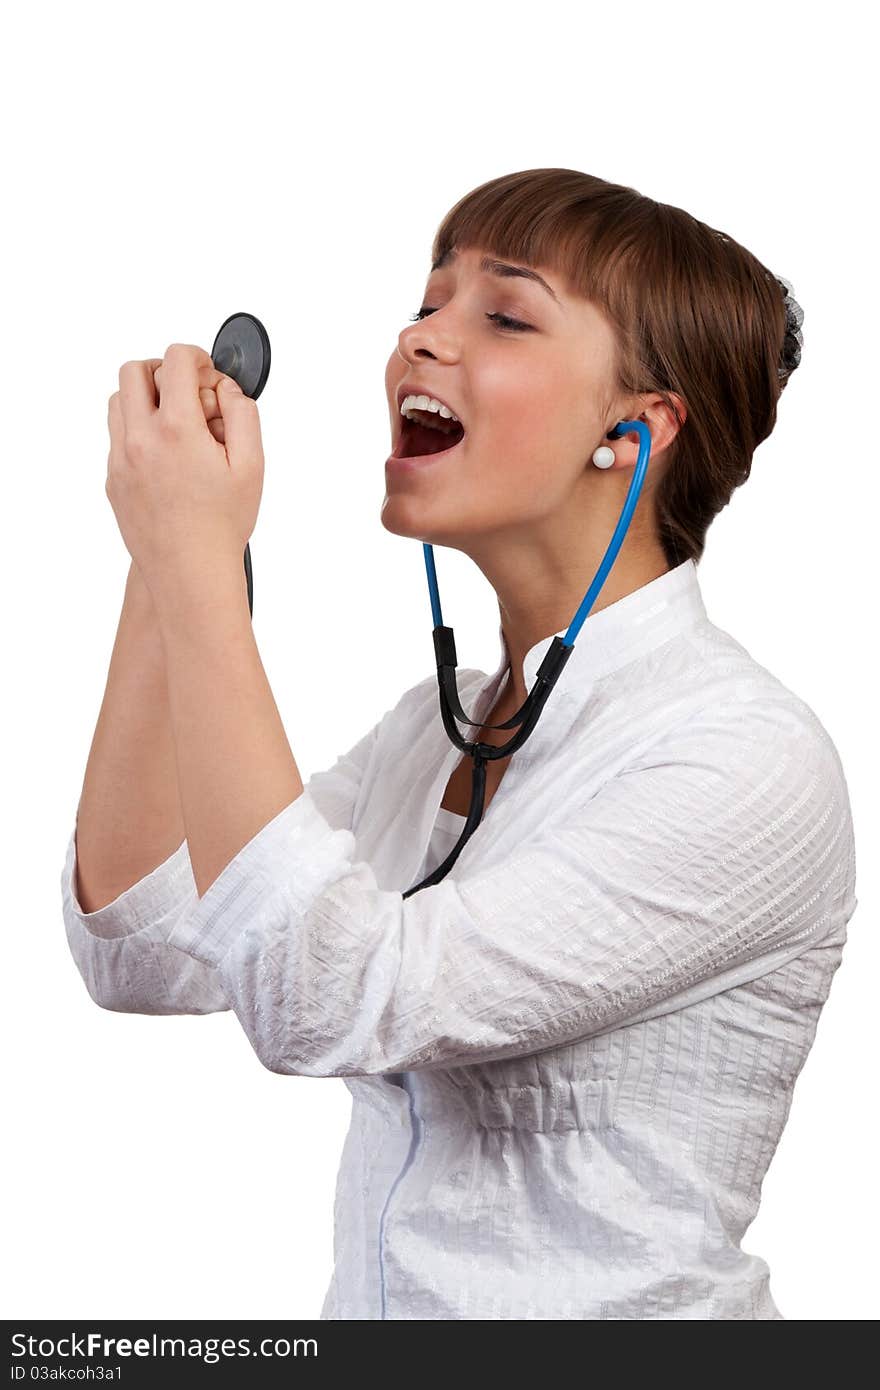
539, 590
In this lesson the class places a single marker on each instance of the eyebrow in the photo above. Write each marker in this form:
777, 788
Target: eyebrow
496, 267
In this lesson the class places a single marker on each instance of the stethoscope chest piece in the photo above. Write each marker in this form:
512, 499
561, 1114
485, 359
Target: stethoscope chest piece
241, 350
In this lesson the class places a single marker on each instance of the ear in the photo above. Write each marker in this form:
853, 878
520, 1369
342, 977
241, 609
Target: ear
661, 418
659, 414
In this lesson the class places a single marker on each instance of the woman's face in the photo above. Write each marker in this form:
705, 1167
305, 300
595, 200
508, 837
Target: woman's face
534, 402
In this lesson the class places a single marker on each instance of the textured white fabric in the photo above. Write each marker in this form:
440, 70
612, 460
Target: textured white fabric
571, 1060
444, 836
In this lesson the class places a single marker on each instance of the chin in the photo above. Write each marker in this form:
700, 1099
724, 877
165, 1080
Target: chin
404, 516
399, 516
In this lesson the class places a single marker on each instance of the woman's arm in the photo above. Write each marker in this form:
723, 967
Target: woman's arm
122, 950
129, 819
127, 878
722, 853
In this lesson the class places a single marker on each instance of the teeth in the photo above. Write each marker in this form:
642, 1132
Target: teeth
410, 403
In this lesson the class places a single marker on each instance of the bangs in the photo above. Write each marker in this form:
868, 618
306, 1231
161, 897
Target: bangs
589, 232
561, 220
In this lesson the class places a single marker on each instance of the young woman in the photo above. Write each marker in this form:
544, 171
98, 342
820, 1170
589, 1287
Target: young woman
570, 1059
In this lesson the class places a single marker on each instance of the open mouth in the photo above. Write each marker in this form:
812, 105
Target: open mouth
428, 434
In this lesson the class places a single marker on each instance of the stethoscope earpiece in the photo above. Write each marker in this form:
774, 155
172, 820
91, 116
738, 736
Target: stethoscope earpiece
603, 457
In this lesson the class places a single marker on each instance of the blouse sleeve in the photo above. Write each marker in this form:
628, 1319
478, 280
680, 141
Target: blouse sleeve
716, 858
123, 951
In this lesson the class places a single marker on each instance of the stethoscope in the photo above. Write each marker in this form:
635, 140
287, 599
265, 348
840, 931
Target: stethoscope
548, 672
241, 350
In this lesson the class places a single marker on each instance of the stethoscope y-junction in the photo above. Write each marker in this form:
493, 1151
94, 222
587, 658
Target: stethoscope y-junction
547, 675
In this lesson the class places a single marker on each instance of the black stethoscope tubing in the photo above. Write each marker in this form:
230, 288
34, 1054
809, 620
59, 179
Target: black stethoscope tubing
547, 675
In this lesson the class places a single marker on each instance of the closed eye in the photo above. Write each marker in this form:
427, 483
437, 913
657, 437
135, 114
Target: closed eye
502, 321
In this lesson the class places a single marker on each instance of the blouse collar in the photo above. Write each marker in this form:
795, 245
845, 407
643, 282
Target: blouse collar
615, 635
608, 639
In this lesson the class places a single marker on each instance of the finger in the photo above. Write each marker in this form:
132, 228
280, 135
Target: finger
208, 376
137, 390
208, 379
180, 378
210, 404
116, 425
241, 419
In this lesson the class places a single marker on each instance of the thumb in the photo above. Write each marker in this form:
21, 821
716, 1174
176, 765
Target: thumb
240, 419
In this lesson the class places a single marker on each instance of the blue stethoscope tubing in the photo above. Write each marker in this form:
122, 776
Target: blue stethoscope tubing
548, 673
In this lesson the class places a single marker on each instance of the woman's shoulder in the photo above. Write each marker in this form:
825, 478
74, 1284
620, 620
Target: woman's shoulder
705, 700
736, 722
755, 693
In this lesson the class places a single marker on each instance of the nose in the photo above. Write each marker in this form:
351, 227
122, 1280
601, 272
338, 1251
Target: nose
426, 338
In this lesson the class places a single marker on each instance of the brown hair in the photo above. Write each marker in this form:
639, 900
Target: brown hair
695, 313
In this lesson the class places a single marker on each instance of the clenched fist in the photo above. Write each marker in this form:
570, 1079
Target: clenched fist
185, 468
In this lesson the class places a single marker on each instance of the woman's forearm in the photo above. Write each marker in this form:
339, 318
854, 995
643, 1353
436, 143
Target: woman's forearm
129, 818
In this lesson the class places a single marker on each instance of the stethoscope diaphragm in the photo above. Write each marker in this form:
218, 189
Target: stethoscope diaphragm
241, 350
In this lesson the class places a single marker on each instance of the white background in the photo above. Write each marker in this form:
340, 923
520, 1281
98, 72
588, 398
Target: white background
168, 164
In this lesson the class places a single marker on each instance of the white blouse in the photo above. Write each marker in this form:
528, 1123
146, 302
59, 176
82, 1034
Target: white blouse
445, 834
572, 1059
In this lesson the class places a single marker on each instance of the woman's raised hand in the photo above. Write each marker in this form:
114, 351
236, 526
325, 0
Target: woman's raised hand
185, 468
